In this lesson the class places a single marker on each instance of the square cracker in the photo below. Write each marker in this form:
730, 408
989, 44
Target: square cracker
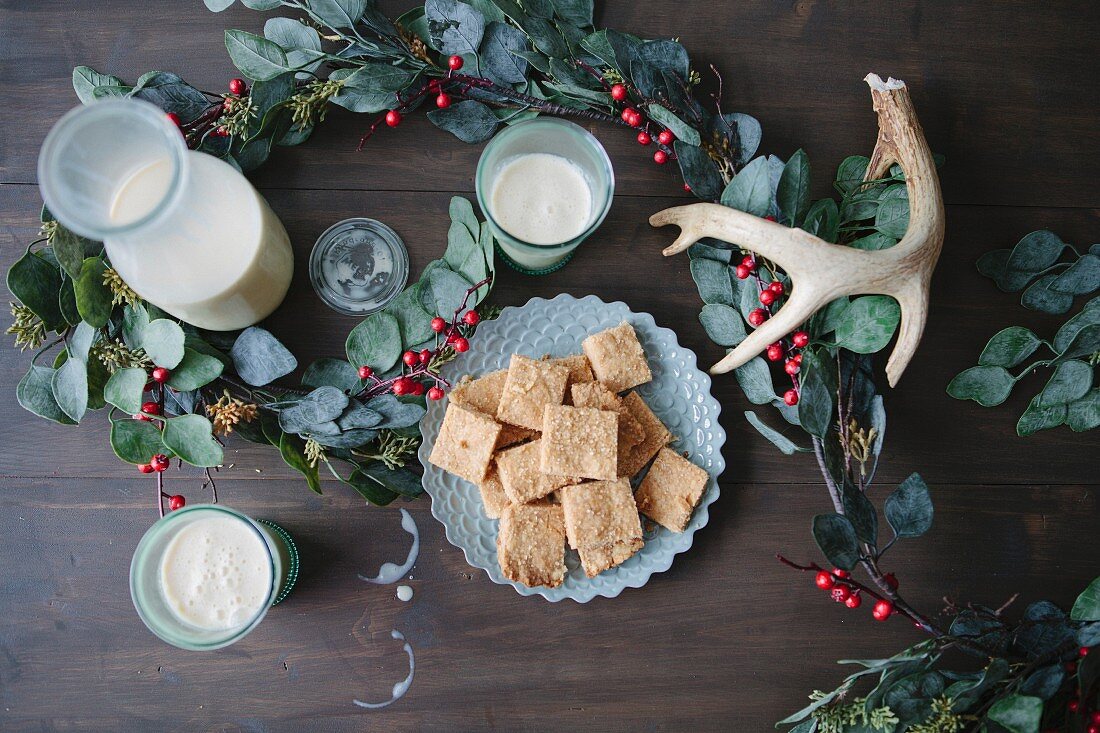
531, 544
617, 357
580, 371
594, 394
493, 497
531, 385
601, 522
579, 441
465, 444
656, 436
483, 395
520, 478
669, 492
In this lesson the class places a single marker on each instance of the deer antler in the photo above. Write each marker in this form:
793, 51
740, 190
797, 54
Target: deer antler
821, 272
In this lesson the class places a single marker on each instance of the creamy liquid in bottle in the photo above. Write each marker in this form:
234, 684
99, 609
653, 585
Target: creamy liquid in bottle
223, 263
541, 199
216, 574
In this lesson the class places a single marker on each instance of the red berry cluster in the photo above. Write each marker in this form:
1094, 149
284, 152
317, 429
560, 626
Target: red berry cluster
787, 350
443, 100
634, 118
843, 590
1074, 705
418, 375
208, 121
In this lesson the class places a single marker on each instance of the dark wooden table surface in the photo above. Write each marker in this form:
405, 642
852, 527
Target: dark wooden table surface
727, 639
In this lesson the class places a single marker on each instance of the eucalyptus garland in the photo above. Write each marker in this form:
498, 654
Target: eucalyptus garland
1052, 274
485, 63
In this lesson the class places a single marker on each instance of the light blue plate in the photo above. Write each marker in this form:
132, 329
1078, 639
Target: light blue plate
679, 394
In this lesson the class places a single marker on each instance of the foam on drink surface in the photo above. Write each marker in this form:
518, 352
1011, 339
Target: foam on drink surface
540, 198
216, 573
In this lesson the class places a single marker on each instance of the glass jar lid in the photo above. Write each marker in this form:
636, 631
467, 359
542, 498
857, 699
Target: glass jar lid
358, 266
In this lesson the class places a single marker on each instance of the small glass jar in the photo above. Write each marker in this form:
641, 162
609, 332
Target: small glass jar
279, 567
358, 266
555, 137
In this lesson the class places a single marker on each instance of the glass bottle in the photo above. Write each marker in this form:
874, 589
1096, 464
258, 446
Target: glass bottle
185, 230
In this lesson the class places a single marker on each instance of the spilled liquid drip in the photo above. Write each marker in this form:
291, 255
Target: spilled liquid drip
391, 573
401, 687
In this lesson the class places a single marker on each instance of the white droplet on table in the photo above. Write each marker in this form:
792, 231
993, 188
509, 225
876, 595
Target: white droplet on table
404, 593
391, 573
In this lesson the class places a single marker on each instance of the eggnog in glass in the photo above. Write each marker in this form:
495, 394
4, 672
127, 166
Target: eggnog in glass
204, 576
184, 229
544, 185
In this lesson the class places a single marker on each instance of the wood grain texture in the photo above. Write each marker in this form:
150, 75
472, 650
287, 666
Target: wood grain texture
727, 639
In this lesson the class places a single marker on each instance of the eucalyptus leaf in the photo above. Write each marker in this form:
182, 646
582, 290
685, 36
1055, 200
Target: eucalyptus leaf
1086, 342
1082, 277
134, 321
1070, 381
499, 53
1044, 682
711, 249
911, 697
87, 79
375, 342
259, 358
815, 403
892, 217
35, 394
125, 388
331, 372
909, 508
339, 13
455, 27
1009, 347
257, 58
292, 449
723, 324
469, 120
793, 194
70, 388
1040, 296
415, 323
1089, 315
822, 220
698, 171
986, 385
713, 280
370, 489
464, 254
744, 132
667, 56
780, 441
191, 438
163, 343
756, 381
69, 249
347, 439
578, 12
1036, 418
850, 173
868, 324
359, 417
322, 405
861, 513
666, 118
836, 537
136, 441
194, 370
94, 300
172, 94
1036, 252
262, 5
1084, 413
750, 190
401, 481
1087, 605
447, 290
395, 413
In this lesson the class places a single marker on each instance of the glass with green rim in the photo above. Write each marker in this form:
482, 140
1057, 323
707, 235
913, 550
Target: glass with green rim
556, 137
146, 587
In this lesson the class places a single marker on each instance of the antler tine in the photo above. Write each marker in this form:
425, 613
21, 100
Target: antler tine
797, 309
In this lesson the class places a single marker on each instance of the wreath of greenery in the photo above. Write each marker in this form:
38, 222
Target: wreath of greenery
517, 60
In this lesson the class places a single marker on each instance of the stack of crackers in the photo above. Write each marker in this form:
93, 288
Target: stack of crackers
554, 444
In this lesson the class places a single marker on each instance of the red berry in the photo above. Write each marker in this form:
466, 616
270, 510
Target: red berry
775, 352
150, 408
797, 358
618, 92
471, 318
452, 337
853, 601
628, 114
1073, 705
175, 501
644, 138
636, 120
161, 375
435, 393
757, 316
460, 345
749, 262
767, 297
824, 580
401, 386
139, 416
411, 358
393, 118
776, 287
687, 188
443, 101
1095, 717
438, 324
791, 397
145, 468
221, 131
769, 217
792, 367
665, 137
882, 610
425, 356
159, 462
1093, 728
417, 388
841, 573
742, 272
840, 594
173, 118
660, 157
237, 86
891, 580
454, 63
1083, 651
365, 372
800, 339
